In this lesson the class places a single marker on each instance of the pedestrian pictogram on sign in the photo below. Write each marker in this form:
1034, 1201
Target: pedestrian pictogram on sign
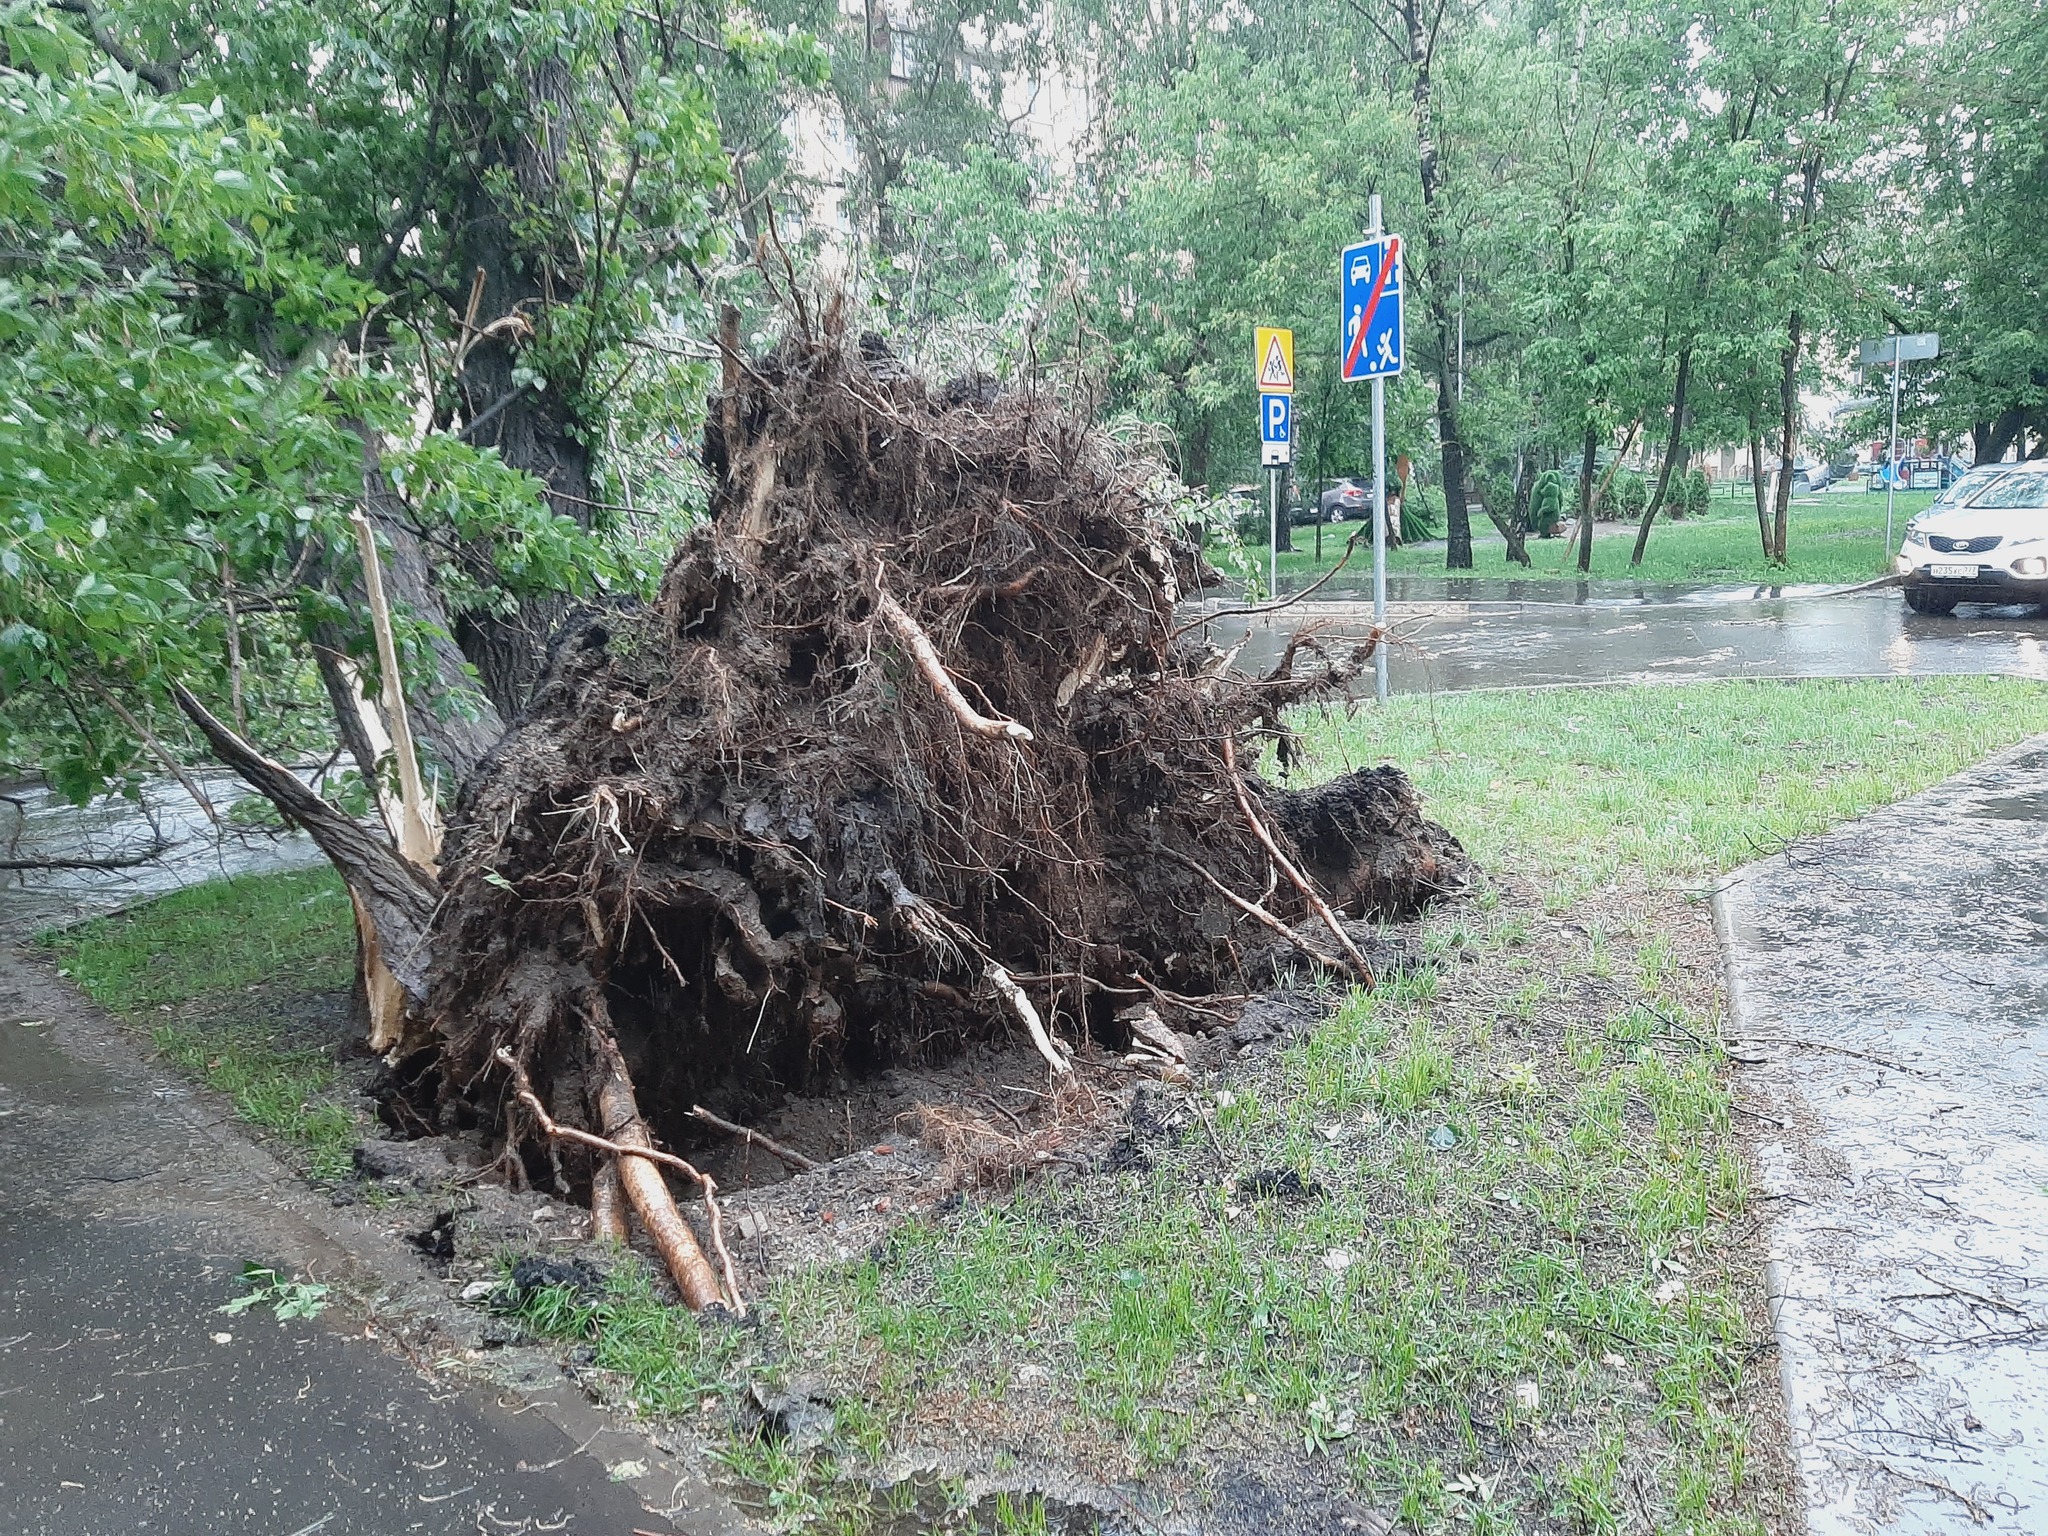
1369, 336
1276, 430
1273, 356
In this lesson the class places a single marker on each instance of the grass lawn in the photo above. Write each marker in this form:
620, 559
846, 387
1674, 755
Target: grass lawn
1836, 538
1522, 1287
217, 974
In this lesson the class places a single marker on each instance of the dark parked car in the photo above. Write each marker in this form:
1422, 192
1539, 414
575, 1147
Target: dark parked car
1808, 478
1346, 499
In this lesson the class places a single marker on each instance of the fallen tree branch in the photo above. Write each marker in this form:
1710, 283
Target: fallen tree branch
1309, 893
1007, 989
787, 1156
926, 655
125, 861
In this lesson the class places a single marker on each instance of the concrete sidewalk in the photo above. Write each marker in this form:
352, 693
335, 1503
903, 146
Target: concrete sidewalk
1889, 992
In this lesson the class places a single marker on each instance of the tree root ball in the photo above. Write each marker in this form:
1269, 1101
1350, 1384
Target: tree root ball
911, 711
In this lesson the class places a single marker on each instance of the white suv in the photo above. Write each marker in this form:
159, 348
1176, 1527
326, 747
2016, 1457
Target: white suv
1991, 549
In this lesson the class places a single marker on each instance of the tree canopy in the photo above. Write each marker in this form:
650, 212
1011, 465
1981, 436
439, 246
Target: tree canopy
457, 266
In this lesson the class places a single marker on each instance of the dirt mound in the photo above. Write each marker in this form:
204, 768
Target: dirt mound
908, 752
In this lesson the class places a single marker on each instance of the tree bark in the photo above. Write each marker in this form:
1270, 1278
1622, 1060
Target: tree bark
1587, 460
458, 725
1421, 39
1756, 480
341, 698
1678, 392
520, 290
398, 896
1788, 436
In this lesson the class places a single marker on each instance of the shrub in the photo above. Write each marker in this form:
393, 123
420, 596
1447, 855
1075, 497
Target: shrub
1546, 503
1422, 513
1695, 492
1628, 495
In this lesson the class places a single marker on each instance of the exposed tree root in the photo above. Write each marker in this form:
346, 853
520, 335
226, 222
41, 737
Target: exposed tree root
634, 1160
607, 1203
793, 1160
1309, 893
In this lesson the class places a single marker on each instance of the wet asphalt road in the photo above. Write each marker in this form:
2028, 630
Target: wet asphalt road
1456, 636
158, 845
130, 1403
1889, 1002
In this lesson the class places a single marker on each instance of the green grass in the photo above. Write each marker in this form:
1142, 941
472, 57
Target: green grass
196, 968
215, 938
1836, 538
1572, 787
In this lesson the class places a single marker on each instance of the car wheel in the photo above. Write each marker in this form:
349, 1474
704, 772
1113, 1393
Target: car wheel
1922, 601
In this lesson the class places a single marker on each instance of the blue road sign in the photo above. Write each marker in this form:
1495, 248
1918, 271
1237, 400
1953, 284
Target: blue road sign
1276, 419
1369, 332
1276, 429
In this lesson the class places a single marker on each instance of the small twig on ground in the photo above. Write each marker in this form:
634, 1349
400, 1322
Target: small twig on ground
1738, 1107
1834, 1050
789, 1157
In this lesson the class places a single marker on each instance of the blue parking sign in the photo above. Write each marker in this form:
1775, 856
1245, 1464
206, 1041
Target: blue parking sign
1276, 429
1369, 335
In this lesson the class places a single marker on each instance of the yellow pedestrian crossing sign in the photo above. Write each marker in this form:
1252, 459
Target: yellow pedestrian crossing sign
1273, 354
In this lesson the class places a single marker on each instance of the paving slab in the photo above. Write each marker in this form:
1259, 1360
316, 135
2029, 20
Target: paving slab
1889, 1001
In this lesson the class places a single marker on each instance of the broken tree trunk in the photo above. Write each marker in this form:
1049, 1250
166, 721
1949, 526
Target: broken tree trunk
398, 896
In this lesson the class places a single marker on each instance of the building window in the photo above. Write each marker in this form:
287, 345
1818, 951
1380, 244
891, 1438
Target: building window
902, 53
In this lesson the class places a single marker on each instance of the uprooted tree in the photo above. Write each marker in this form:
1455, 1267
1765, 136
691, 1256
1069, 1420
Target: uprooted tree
910, 749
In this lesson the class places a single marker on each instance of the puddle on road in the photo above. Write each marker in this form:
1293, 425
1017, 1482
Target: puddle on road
2028, 807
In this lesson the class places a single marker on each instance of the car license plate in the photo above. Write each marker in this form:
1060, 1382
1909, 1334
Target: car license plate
1953, 572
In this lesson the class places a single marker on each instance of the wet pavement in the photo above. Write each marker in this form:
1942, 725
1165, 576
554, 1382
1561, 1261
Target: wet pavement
1889, 996
148, 847
130, 1403
1490, 638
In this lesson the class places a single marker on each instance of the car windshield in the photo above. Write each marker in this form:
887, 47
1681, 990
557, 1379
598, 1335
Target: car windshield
2022, 488
1970, 484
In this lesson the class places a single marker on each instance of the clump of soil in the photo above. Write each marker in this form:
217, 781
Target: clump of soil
908, 750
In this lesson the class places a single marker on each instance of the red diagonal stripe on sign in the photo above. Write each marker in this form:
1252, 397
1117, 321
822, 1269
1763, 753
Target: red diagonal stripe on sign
1388, 257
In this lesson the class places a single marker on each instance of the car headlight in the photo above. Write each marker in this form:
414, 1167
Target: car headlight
2032, 565
1915, 536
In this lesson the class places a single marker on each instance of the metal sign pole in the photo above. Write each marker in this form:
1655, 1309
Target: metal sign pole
1891, 479
1273, 534
1379, 511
